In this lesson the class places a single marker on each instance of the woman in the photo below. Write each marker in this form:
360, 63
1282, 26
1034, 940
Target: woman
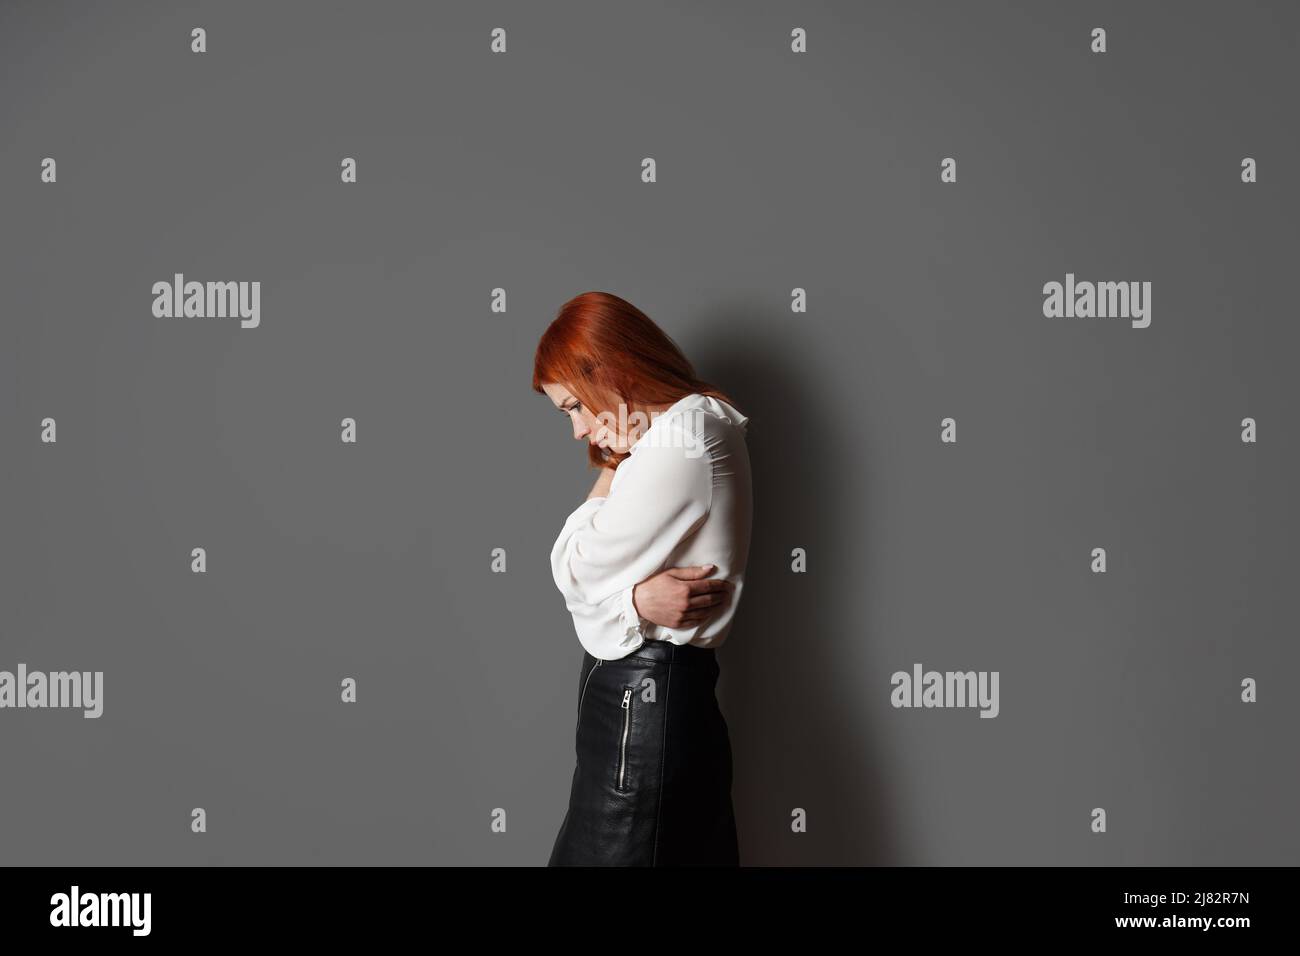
671, 506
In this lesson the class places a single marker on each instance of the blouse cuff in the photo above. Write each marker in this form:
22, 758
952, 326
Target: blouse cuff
631, 619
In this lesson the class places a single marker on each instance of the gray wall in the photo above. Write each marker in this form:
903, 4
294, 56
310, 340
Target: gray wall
776, 170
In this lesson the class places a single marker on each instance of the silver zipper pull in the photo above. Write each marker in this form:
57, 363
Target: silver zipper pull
627, 698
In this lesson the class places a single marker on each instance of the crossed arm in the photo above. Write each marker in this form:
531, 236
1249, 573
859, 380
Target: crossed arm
675, 597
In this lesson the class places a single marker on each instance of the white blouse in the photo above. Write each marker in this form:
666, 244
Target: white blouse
683, 497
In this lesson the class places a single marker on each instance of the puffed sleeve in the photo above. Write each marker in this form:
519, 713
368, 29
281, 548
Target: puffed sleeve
613, 619
608, 545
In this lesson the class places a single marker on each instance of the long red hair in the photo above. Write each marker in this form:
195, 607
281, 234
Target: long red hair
601, 346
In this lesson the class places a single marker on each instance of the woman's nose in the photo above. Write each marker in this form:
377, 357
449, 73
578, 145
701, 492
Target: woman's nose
580, 429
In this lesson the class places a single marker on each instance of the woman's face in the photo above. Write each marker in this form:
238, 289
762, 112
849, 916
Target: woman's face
603, 431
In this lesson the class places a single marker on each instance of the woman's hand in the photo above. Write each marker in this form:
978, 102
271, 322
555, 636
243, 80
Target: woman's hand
681, 597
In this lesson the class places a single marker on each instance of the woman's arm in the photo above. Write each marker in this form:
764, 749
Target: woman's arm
675, 597
608, 544
681, 597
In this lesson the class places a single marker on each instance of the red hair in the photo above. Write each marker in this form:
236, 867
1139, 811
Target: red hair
601, 346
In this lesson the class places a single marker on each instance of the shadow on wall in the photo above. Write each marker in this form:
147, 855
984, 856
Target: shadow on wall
798, 732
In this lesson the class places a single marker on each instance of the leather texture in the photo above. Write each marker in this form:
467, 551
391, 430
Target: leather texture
652, 784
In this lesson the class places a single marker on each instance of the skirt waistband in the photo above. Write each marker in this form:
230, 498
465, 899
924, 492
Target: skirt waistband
655, 650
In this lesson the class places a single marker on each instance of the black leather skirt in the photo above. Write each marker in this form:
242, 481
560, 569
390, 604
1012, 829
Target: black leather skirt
652, 786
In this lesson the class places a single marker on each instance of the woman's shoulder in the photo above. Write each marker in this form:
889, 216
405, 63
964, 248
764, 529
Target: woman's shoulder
712, 420
703, 425
701, 414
